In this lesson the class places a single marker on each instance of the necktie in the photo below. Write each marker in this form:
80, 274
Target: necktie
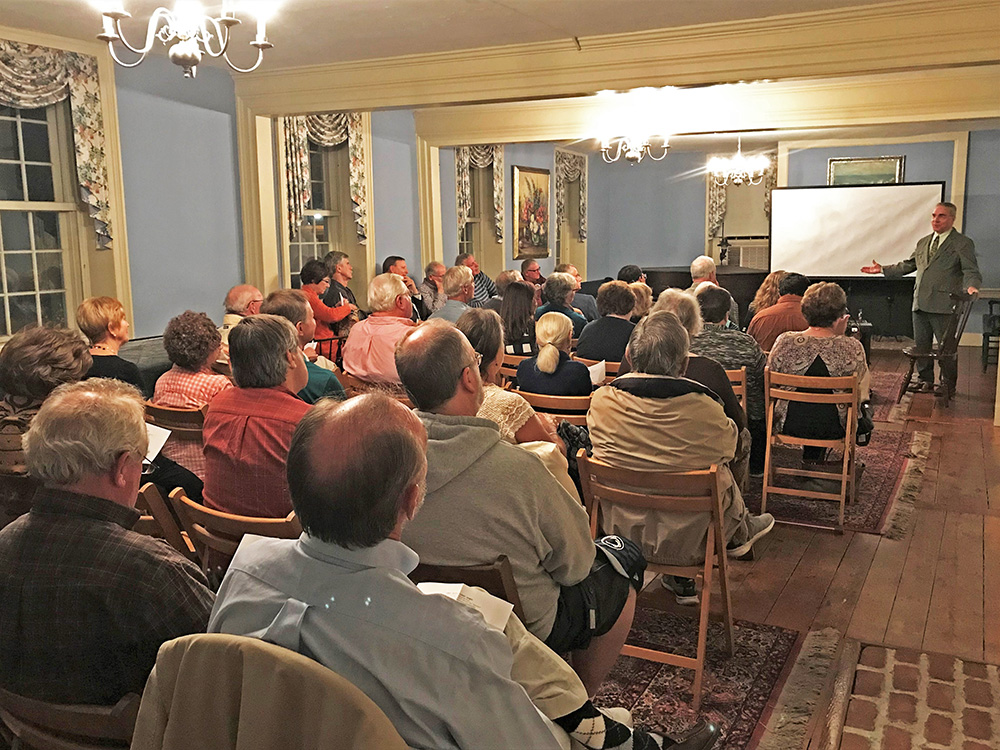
934, 246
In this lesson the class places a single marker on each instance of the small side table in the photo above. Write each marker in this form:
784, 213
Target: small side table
991, 327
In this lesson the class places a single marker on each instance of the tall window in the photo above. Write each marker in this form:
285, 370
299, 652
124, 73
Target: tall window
37, 217
479, 226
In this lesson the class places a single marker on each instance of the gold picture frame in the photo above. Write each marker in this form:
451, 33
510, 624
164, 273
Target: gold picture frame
532, 201
878, 170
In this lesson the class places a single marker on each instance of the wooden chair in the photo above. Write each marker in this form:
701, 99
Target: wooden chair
508, 369
948, 348
571, 408
184, 423
53, 726
216, 531
496, 578
223, 368
738, 380
159, 521
811, 390
664, 491
610, 368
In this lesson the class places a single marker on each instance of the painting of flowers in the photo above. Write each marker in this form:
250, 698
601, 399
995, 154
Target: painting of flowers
531, 203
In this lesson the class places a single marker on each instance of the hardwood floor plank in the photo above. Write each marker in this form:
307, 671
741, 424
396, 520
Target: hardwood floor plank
913, 596
771, 571
842, 595
961, 476
991, 455
871, 614
991, 589
798, 602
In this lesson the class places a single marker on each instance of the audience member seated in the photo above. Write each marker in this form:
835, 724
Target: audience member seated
551, 371
412, 654
86, 601
459, 287
585, 303
102, 320
314, 278
241, 301
518, 315
558, 293
643, 300
396, 264
702, 270
248, 428
370, 347
33, 363
630, 274
734, 349
193, 344
486, 498
784, 315
767, 293
656, 419
293, 306
504, 279
607, 337
532, 273
485, 288
822, 349
432, 287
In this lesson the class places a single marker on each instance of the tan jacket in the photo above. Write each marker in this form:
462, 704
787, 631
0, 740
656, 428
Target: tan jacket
650, 422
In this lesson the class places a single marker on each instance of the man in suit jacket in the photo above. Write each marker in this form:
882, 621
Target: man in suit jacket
945, 262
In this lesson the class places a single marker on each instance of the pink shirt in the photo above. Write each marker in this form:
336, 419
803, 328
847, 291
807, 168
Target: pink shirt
370, 349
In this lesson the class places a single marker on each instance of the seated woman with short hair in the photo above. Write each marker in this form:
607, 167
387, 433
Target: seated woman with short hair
517, 312
551, 371
102, 320
558, 293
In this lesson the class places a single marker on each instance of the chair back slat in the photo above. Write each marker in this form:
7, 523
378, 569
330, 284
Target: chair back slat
161, 520
496, 578
691, 491
645, 501
811, 389
738, 380
44, 725
956, 323
181, 422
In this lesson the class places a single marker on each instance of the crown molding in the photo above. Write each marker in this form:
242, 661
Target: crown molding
902, 35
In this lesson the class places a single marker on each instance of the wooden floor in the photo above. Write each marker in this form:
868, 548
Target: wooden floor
936, 590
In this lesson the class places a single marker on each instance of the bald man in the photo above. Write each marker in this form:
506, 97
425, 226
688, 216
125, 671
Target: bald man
241, 301
703, 270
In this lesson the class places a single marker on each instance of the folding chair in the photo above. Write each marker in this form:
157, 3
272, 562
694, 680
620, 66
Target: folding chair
54, 726
508, 370
159, 521
811, 390
496, 578
184, 423
738, 380
610, 368
664, 491
571, 408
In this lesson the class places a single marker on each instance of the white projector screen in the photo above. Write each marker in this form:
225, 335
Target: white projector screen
834, 231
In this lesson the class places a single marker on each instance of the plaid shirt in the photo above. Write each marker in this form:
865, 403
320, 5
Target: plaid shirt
733, 349
247, 435
85, 603
182, 389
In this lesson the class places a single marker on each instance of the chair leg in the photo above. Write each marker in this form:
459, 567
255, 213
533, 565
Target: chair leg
767, 464
845, 478
706, 604
727, 611
906, 381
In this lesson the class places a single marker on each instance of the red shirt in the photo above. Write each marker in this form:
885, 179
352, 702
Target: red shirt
325, 315
247, 435
784, 315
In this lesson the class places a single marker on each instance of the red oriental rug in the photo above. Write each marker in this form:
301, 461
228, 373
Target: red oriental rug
884, 389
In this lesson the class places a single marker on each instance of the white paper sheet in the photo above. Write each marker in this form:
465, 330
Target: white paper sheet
495, 611
157, 437
598, 372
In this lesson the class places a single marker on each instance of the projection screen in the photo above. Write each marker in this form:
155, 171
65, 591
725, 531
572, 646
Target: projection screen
834, 231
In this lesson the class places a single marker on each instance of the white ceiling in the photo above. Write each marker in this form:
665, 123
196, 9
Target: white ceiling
309, 32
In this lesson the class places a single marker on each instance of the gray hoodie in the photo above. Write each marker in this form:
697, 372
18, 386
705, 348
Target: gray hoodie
485, 498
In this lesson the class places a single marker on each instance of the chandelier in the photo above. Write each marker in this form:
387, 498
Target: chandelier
187, 32
633, 148
738, 168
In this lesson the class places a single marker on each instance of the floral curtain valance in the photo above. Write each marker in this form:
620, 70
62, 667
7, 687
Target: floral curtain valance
571, 167
330, 129
717, 197
33, 77
480, 157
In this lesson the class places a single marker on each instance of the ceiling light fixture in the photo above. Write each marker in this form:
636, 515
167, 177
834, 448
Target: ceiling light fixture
738, 168
188, 32
633, 148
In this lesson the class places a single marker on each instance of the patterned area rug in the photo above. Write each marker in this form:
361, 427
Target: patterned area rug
884, 388
890, 483
738, 690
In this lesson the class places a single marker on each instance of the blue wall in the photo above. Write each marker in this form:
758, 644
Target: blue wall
650, 214
925, 162
181, 181
395, 204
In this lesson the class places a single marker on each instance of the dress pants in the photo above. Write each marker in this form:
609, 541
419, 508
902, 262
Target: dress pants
926, 327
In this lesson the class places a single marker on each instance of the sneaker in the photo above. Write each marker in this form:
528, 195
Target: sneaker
757, 527
684, 589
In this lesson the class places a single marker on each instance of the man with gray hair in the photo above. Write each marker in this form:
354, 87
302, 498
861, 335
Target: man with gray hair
369, 349
459, 288
432, 287
242, 300
503, 281
703, 270
584, 303
656, 419
485, 289
248, 428
86, 601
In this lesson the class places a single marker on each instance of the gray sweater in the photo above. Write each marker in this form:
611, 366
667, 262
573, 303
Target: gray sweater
485, 498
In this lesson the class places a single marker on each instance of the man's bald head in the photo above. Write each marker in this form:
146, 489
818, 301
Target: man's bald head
351, 466
243, 299
430, 360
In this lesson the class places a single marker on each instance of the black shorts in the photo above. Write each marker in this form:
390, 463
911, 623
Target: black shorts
588, 609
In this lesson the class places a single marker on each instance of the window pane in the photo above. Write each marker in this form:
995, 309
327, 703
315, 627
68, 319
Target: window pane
53, 307
8, 140
6, 112
22, 312
50, 271
40, 186
14, 229
10, 183
46, 226
36, 141
20, 273
307, 233
318, 200
33, 114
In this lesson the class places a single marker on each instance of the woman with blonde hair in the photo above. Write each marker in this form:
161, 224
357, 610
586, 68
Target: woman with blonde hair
102, 320
551, 371
767, 294
643, 300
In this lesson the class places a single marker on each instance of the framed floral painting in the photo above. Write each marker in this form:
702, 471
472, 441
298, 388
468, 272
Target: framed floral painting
531, 213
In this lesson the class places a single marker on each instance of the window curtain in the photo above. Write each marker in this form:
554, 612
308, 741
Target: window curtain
330, 129
571, 167
717, 197
33, 77
480, 157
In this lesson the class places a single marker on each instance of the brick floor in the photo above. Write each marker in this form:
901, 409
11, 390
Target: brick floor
905, 699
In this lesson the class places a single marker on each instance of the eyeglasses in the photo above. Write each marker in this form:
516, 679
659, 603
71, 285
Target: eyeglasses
479, 361
148, 467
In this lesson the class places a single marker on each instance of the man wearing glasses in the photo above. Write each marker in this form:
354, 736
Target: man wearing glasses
432, 287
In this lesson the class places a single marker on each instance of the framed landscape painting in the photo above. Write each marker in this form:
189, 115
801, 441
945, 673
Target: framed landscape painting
880, 170
531, 213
